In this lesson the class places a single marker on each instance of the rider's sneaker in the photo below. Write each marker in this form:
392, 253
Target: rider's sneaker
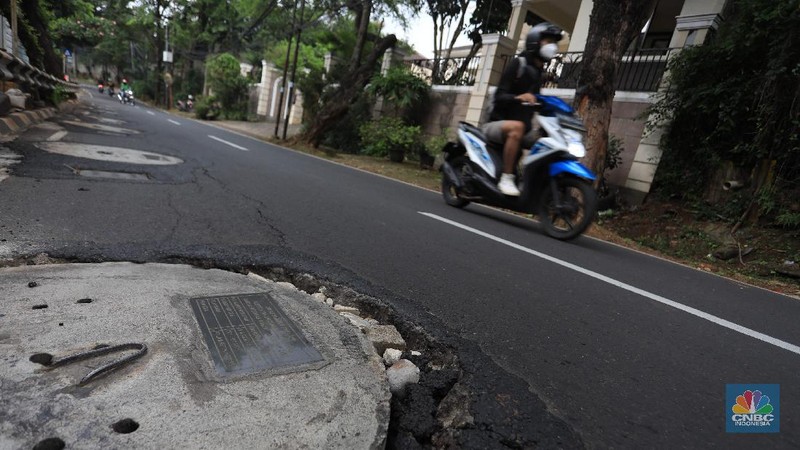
507, 186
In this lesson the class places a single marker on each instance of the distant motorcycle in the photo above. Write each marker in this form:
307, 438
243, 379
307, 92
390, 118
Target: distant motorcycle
186, 106
126, 97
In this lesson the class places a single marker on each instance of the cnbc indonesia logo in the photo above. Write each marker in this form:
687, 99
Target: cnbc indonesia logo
753, 410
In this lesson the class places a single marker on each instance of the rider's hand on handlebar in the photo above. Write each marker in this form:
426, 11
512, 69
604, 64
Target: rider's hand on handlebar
526, 98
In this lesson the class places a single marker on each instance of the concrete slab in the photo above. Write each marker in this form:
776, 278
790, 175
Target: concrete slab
173, 396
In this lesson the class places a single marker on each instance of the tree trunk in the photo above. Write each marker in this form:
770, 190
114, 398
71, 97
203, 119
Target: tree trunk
362, 27
350, 87
613, 26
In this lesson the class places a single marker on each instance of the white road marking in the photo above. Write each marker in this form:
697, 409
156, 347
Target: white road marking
228, 143
173, 121
665, 301
57, 136
105, 153
151, 113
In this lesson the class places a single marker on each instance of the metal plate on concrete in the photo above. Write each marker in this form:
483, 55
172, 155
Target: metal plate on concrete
249, 333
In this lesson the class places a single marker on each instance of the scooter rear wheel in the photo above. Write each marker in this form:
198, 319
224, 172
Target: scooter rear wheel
575, 211
449, 191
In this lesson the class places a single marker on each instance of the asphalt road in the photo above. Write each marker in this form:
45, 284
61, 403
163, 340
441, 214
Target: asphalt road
630, 350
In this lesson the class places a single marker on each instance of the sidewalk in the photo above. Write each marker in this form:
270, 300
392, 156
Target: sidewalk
260, 130
217, 360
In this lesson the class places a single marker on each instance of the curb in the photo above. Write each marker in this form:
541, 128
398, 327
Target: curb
20, 121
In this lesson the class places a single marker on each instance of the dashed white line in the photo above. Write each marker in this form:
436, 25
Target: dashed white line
151, 113
228, 143
173, 121
665, 301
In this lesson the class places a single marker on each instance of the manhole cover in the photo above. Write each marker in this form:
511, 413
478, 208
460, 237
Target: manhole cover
249, 333
127, 176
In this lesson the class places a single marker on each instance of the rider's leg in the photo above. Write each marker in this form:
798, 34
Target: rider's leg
513, 131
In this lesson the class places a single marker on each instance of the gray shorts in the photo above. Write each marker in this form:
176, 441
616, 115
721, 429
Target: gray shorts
494, 133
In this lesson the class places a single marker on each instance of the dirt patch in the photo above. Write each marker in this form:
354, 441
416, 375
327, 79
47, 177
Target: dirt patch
758, 255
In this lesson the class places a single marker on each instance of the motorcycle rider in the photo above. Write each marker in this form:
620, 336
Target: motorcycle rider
510, 119
124, 88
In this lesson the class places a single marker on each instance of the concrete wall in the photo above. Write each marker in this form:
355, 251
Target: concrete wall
448, 106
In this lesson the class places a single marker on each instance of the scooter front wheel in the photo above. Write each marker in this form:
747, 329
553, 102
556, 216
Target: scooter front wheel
449, 191
572, 212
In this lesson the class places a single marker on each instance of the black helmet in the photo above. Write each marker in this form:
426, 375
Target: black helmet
539, 32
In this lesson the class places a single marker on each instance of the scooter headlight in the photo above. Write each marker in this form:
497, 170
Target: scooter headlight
576, 149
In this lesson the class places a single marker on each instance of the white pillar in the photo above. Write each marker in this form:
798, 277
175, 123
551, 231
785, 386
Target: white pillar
267, 76
697, 18
580, 33
497, 50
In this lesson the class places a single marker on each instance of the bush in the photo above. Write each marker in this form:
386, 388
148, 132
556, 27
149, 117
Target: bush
404, 93
229, 86
59, 95
388, 136
207, 108
345, 136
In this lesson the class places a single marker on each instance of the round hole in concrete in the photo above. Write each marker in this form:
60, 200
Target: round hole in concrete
85, 300
50, 444
125, 426
39, 306
44, 359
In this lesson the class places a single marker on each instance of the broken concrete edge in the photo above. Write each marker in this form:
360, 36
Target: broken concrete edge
387, 342
453, 405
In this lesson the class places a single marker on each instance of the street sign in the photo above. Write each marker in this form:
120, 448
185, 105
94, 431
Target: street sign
167, 57
67, 53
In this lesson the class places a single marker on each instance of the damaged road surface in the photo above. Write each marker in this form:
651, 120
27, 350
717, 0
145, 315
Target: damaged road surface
517, 340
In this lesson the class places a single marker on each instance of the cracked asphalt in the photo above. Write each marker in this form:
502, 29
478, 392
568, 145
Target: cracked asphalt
556, 349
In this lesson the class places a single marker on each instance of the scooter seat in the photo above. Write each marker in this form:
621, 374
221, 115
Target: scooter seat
470, 128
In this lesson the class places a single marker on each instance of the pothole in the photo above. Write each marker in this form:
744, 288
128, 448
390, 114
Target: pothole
125, 426
105, 153
50, 444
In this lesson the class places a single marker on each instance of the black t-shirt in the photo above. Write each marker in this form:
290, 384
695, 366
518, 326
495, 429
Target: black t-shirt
506, 106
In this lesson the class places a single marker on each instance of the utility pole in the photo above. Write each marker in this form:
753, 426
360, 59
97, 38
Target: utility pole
285, 71
294, 67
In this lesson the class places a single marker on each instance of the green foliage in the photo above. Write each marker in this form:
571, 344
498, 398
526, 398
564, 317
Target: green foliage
380, 137
207, 108
345, 136
402, 91
435, 143
59, 95
229, 86
613, 152
735, 99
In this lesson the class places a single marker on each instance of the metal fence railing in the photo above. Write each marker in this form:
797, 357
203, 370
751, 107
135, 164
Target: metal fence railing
20, 72
641, 70
446, 71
